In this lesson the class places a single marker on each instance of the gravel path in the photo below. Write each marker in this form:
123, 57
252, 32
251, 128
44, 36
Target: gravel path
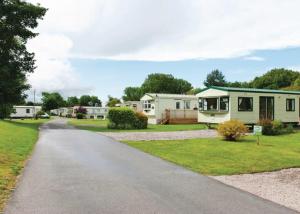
282, 187
147, 136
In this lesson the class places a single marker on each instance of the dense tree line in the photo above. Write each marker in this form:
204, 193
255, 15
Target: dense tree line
158, 83
55, 100
278, 78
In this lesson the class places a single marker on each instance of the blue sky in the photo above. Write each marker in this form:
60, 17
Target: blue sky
112, 76
100, 47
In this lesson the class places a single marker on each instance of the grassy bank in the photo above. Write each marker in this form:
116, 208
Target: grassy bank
218, 157
16, 143
101, 126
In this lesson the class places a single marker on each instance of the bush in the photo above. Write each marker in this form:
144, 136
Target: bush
81, 110
141, 121
80, 116
126, 118
232, 130
289, 129
267, 127
275, 127
278, 127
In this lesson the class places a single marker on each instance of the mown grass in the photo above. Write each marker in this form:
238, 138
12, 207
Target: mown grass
218, 157
101, 126
17, 139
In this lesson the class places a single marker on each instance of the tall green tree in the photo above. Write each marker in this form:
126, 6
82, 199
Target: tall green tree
87, 100
72, 101
215, 78
165, 83
17, 20
275, 79
112, 101
133, 93
52, 101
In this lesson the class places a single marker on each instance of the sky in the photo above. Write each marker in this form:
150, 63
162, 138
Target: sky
99, 47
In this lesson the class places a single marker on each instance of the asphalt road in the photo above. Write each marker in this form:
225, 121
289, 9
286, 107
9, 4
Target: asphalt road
74, 171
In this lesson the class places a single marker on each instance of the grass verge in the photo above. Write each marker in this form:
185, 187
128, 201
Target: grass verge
218, 157
16, 143
101, 126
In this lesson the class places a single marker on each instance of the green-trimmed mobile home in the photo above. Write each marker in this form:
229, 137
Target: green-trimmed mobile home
219, 104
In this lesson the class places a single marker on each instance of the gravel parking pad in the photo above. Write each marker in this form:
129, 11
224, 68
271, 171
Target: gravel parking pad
148, 136
282, 187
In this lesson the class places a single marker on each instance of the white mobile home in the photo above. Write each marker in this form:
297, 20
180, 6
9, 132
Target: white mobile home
249, 105
134, 105
65, 111
170, 108
25, 111
92, 112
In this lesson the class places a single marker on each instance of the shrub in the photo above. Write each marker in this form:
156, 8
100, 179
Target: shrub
278, 127
275, 127
126, 118
81, 110
141, 121
232, 130
267, 128
80, 116
120, 118
289, 129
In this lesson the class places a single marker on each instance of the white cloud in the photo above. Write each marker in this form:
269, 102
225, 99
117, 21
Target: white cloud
254, 58
166, 30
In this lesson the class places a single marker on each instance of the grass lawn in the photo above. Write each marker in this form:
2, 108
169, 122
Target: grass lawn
218, 157
16, 143
101, 126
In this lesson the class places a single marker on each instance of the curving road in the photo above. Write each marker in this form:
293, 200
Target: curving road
74, 171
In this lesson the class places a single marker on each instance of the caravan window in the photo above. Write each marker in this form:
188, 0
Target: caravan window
147, 104
210, 104
245, 104
187, 105
28, 111
290, 104
200, 104
224, 103
177, 105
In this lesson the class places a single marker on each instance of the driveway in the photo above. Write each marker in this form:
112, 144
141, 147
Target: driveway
76, 171
148, 136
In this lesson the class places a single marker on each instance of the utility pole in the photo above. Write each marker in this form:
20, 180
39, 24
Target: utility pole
34, 103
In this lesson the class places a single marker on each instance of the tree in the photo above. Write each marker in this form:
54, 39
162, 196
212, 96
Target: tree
194, 91
276, 79
17, 20
95, 101
133, 93
86, 100
215, 78
165, 83
72, 101
112, 101
52, 101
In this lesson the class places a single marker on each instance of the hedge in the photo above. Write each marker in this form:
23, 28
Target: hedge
126, 118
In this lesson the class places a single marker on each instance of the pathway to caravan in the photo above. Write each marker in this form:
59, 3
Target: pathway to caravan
76, 171
148, 136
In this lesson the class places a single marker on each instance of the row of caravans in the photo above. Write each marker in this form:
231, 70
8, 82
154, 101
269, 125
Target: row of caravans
91, 112
211, 105
219, 104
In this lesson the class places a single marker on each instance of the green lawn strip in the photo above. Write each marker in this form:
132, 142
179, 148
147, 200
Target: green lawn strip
101, 126
218, 157
17, 139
